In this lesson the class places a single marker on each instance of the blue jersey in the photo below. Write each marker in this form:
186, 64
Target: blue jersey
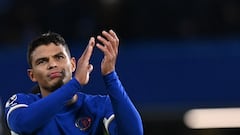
89, 115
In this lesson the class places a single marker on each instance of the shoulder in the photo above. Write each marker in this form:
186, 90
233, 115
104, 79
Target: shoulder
21, 98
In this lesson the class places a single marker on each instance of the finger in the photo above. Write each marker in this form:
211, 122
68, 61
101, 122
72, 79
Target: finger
111, 38
114, 35
106, 43
107, 35
103, 40
102, 48
90, 68
89, 49
105, 51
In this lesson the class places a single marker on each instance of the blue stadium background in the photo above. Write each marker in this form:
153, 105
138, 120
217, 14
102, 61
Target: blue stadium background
164, 79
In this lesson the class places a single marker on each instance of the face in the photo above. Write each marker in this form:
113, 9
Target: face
51, 67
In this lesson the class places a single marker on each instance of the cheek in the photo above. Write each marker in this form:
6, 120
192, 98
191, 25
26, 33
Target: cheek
38, 74
67, 74
71, 66
69, 71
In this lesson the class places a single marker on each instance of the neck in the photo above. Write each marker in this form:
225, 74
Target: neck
45, 93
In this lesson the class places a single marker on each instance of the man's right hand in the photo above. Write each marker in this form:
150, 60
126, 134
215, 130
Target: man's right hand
84, 68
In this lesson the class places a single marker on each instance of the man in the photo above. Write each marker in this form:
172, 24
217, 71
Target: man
61, 108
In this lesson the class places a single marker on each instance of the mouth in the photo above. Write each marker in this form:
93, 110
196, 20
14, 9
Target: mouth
54, 75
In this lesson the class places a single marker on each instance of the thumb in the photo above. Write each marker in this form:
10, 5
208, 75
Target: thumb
90, 68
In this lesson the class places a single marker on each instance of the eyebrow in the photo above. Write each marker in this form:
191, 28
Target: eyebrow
46, 58
60, 53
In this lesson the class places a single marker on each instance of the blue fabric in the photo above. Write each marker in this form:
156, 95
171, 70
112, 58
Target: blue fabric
32, 114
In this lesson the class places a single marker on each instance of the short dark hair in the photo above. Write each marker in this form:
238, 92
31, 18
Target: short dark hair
45, 39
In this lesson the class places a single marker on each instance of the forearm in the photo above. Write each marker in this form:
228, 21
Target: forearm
33, 116
123, 107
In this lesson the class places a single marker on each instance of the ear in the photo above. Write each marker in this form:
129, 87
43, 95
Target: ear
31, 75
73, 63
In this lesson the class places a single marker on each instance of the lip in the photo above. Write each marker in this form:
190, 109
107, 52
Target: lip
53, 75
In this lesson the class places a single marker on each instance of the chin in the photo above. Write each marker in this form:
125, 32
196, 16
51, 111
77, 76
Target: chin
57, 84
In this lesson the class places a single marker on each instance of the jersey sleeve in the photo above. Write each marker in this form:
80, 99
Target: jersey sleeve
25, 116
126, 120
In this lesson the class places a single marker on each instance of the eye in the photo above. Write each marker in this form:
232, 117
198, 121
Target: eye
41, 62
60, 57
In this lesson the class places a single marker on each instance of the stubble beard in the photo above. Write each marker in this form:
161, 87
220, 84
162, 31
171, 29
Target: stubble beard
57, 84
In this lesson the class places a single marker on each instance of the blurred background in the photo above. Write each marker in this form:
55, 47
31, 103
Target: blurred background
174, 55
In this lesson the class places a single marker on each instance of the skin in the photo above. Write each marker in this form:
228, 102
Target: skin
53, 68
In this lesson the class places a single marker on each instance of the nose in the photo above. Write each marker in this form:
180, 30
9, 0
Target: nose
52, 64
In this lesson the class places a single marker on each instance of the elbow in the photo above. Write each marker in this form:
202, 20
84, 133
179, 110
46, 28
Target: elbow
138, 126
139, 129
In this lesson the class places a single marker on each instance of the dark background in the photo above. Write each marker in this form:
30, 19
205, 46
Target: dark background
174, 55
132, 19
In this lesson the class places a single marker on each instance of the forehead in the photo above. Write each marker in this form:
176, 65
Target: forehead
48, 51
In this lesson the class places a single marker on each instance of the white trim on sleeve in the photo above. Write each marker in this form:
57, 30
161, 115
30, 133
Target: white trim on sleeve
106, 122
13, 133
14, 108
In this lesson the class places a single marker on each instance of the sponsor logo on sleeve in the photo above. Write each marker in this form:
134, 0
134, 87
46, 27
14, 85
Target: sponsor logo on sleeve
11, 101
